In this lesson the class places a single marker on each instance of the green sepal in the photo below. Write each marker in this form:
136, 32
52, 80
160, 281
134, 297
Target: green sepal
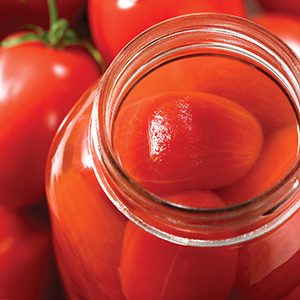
58, 36
27, 37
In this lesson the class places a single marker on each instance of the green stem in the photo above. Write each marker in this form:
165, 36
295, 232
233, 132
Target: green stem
59, 35
53, 13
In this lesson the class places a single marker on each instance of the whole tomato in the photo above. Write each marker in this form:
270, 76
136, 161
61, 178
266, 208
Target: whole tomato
24, 252
285, 6
39, 85
173, 154
285, 26
41, 77
114, 23
14, 13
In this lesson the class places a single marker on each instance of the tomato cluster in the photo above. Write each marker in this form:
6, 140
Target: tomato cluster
44, 69
47, 61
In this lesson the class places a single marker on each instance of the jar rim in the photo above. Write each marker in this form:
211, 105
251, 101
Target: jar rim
100, 140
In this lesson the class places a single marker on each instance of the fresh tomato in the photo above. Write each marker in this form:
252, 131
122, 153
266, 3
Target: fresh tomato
114, 23
15, 13
39, 85
24, 251
285, 26
285, 6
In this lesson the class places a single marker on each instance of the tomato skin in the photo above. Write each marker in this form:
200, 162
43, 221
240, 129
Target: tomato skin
174, 153
268, 169
39, 85
14, 13
24, 251
285, 26
113, 26
216, 75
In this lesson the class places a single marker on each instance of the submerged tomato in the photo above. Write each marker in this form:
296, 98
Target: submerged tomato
223, 77
186, 140
16, 13
152, 268
268, 169
39, 85
114, 23
24, 252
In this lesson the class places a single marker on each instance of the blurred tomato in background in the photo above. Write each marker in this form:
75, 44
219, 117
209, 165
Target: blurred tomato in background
24, 253
114, 23
291, 7
42, 75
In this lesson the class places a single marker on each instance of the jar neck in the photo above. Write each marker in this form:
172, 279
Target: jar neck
198, 34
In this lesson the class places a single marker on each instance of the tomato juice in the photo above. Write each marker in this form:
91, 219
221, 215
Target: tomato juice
176, 180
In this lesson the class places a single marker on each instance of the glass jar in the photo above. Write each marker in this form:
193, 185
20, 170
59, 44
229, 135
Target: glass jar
176, 175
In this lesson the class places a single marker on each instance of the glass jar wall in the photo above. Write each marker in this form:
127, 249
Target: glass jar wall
176, 175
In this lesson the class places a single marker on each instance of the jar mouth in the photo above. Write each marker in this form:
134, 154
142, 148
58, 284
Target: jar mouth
138, 58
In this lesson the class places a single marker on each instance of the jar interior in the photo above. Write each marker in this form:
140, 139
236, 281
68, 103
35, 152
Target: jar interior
198, 130
206, 129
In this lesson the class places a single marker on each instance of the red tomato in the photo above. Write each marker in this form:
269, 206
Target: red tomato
285, 26
285, 6
24, 253
152, 268
114, 23
223, 77
14, 13
39, 85
268, 169
186, 140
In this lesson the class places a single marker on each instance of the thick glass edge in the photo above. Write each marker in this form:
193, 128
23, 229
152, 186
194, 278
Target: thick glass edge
95, 138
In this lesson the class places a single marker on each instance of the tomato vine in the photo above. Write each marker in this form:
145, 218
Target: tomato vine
59, 35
